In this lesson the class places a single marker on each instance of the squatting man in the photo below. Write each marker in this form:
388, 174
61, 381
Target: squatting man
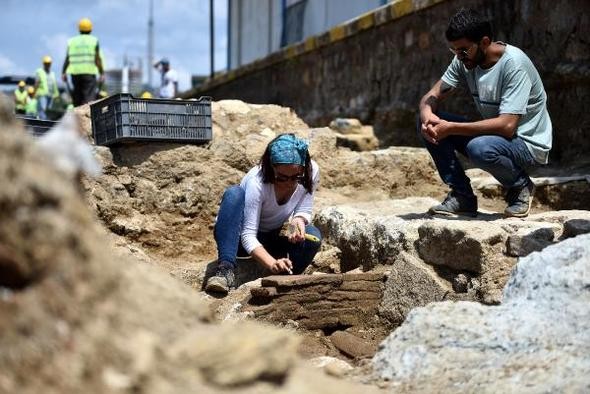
515, 133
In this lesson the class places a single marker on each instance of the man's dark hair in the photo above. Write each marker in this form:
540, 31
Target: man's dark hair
268, 173
468, 23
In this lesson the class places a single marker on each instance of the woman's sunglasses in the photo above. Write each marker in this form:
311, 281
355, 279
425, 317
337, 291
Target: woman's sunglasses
288, 178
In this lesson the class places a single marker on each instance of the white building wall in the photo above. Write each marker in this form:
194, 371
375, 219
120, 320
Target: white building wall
321, 15
256, 25
255, 30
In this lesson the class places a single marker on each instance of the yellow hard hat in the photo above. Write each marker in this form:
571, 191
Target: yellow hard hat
85, 26
21, 84
146, 95
30, 90
46, 59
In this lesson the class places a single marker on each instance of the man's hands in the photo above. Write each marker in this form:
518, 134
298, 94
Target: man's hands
428, 121
434, 129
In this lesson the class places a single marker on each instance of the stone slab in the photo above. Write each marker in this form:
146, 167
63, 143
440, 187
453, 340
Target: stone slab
352, 345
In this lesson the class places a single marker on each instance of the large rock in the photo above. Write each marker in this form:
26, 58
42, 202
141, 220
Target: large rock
372, 233
538, 340
528, 240
460, 245
411, 283
475, 247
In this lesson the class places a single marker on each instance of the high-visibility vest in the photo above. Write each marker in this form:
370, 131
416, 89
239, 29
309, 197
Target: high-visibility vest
31, 107
81, 55
21, 98
43, 88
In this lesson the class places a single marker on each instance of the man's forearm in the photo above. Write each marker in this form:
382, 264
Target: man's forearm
503, 126
428, 103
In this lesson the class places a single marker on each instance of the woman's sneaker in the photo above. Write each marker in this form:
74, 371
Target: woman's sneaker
519, 200
456, 204
223, 280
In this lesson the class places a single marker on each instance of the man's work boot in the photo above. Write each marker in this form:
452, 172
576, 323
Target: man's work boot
223, 280
456, 204
519, 200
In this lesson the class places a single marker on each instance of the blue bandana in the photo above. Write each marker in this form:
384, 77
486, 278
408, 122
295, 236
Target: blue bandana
288, 149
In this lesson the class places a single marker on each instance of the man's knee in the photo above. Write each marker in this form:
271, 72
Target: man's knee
481, 151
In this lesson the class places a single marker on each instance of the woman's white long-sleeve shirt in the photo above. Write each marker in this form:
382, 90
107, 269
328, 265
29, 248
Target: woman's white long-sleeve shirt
263, 213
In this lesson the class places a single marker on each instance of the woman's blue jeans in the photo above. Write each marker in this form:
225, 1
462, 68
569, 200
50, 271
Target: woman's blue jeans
229, 227
506, 159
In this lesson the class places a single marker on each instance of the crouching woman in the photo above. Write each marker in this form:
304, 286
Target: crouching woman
279, 189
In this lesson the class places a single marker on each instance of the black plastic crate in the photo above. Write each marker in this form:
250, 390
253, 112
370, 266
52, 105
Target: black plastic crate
37, 127
122, 118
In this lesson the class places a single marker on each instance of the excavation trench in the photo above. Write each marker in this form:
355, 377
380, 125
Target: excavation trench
162, 200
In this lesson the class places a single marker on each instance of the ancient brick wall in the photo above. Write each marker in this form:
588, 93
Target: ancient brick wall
327, 301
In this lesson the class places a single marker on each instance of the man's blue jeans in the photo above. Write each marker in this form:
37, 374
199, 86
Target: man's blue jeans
506, 159
43, 104
229, 226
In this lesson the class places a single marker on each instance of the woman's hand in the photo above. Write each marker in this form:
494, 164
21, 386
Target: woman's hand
281, 265
276, 266
297, 230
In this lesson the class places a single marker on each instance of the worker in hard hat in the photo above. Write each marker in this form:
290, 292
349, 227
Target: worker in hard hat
45, 87
83, 63
31, 107
146, 95
20, 98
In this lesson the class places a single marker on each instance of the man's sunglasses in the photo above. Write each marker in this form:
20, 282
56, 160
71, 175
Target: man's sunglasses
288, 178
462, 53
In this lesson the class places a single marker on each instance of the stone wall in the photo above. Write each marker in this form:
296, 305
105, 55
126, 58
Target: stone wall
377, 67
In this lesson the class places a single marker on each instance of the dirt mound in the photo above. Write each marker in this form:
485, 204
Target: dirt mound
76, 317
164, 197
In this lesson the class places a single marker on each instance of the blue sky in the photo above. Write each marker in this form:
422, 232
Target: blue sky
31, 29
